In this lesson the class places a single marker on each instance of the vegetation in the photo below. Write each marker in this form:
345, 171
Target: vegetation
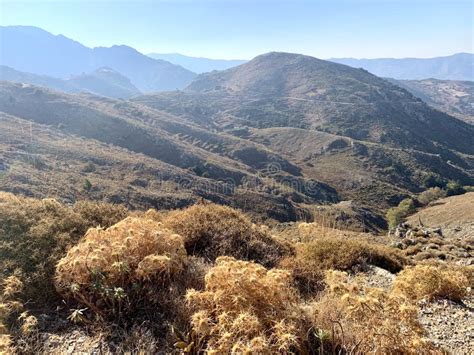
114, 270
35, 234
431, 281
430, 195
206, 279
396, 215
210, 230
245, 308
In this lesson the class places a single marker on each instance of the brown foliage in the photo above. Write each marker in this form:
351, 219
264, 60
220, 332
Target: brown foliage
357, 319
246, 308
211, 231
34, 235
324, 253
433, 281
111, 270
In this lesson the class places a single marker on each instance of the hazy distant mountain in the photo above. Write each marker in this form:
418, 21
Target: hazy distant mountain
33, 50
455, 67
103, 81
196, 64
453, 97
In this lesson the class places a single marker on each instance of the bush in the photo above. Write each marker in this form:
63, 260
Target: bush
356, 319
314, 258
211, 231
246, 308
454, 188
430, 195
111, 270
35, 234
434, 180
396, 215
431, 281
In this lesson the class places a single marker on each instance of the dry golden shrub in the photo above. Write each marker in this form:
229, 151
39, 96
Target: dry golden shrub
246, 308
35, 234
210, 230
110, 270
433, 281
357, 319
313, 258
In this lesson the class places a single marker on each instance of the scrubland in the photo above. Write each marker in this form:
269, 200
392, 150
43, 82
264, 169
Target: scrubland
207, 279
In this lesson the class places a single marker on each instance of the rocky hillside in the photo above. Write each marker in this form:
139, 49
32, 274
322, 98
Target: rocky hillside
456, 98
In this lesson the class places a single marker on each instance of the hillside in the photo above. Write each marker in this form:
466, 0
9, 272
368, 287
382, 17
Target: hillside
160, 160
283, 89
103, 81
458, 66
33, 50
197, 64
456, 98
371, 140
454, 215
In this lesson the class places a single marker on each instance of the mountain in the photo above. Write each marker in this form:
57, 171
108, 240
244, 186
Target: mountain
33, 50
454, 97
139, 156
458, 66
103, 81
284, 89
197, 64
370, 139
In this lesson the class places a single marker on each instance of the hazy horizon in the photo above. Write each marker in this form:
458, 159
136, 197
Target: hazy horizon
241, 30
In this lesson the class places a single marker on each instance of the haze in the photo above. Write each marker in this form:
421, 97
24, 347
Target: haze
242, 29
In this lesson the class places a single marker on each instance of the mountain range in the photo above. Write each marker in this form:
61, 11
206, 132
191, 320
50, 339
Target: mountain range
33, 50
102, 81
197, 65
458, 66
283, 136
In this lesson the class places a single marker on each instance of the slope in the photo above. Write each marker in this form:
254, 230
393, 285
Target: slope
33, 50
103, 81
458, 66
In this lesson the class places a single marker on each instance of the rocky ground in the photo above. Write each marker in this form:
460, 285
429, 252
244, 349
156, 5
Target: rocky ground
449, 325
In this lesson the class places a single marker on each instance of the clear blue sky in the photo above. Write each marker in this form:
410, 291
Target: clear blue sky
245, 28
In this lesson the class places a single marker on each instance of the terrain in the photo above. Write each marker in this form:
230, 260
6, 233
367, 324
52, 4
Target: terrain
197, 64
369, 138
454, 67
103, 81
456, 98
33, 50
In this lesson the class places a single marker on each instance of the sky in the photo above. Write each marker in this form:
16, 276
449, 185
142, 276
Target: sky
242, 29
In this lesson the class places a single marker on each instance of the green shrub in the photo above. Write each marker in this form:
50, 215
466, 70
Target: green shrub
454, 188
430, 195
396, 215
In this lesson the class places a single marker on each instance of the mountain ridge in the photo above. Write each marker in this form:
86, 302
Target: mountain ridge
34, 50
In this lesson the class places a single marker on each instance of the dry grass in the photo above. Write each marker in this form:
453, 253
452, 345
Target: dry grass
313, 258
111, 270
356, 319
211, 231
433, 281
34, 235
246, 308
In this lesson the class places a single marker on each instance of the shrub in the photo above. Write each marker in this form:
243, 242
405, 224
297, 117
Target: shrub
432, 281
246, 308
433, 180
35, 234
357, 319
454, 188
430, 195
110, 270
211, 230
314, 258
396, 215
